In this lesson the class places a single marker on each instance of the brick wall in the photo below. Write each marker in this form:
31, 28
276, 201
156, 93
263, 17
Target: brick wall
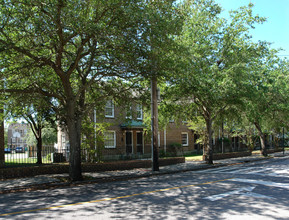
6, 173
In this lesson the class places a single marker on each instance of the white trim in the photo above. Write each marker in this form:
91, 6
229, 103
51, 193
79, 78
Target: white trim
112, 108
114, 137
187, 144
139, 109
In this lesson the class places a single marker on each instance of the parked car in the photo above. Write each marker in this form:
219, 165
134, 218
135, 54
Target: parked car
19, 150
7, 150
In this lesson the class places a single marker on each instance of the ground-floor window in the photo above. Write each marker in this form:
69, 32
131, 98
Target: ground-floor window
185, 139
109, 139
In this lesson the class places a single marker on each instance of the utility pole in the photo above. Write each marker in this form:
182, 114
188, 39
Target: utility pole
154, 124
222, 137
283, 142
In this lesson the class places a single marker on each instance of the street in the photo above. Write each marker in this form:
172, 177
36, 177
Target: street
258, 190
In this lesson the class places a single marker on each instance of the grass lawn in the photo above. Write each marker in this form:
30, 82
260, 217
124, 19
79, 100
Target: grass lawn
194, 158
10, 161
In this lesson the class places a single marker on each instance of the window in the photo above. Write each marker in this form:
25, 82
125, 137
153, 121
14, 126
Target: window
185, 139
139, 111
171, 120
63, 141
128, 112
109, 139
109, 109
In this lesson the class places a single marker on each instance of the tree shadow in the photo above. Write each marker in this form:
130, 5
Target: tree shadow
186, 202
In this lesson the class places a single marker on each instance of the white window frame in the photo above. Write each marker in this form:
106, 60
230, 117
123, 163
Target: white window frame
185, 121
114, 141
139, 110
110, 107
187, 141
63, 141
128, 112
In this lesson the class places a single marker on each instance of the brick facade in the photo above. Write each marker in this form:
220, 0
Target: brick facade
16, 135
132, 138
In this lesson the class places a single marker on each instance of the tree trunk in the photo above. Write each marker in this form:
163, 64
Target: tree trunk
262, 139
74, 133
39, 147
154, 125
209, 150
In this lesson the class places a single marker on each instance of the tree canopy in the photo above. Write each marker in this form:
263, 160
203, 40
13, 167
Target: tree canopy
79, 52
213, 77
73, 55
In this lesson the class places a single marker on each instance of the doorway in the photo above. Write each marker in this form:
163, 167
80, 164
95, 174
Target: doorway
128, 142
139, 142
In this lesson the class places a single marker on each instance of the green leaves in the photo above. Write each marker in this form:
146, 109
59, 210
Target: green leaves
220, 69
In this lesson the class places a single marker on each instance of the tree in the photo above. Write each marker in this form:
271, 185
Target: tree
35, 111
76, 53
49, 136
218, 53
266, 103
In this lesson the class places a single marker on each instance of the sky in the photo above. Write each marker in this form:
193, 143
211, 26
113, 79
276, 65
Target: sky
275, 29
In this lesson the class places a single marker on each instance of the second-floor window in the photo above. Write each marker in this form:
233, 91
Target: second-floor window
109, 109
128, 112
139, 112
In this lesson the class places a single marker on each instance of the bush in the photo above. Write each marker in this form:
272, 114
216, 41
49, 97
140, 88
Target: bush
48, 157
174, 148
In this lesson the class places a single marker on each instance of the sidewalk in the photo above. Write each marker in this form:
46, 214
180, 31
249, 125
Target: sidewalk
58, 180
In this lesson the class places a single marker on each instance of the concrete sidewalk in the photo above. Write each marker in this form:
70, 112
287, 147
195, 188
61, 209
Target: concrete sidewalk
58, 180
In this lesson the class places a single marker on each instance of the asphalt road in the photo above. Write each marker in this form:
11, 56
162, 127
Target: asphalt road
258, 190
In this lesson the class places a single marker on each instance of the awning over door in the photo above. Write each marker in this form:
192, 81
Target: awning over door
132, 124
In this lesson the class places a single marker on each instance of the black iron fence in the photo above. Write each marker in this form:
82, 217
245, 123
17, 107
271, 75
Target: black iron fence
28, 155
49, 154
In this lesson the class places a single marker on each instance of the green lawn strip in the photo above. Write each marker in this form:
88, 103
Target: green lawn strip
194, 158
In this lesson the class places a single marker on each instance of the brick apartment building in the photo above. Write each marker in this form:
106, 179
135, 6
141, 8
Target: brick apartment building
16, 135
127, 134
